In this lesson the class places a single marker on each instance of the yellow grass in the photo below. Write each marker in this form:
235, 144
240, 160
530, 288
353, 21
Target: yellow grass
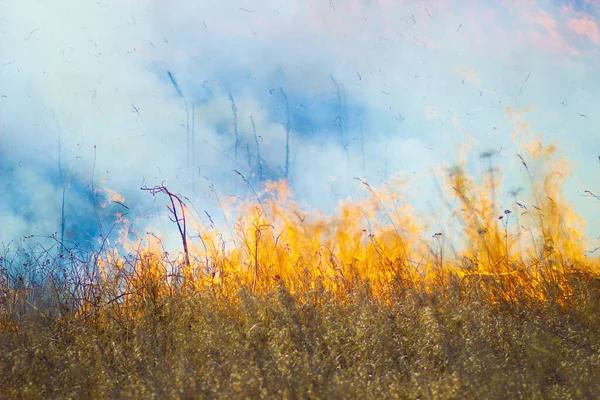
357, 304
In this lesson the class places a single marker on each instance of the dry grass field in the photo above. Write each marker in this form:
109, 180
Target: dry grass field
298, 305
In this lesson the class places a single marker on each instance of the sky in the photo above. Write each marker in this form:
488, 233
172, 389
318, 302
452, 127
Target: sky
98, 99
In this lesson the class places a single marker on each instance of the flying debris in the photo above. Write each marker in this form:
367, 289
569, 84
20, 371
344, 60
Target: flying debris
175, 84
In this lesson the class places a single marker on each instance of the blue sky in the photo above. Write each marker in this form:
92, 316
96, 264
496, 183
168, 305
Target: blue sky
373, 88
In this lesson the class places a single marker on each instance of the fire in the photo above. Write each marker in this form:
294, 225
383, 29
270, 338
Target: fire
510, 249
110, 195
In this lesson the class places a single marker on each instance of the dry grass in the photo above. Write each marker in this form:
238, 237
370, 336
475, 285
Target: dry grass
304, 306
190, 342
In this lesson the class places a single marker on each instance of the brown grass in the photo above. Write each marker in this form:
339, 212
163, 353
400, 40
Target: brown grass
312, 307
449, 342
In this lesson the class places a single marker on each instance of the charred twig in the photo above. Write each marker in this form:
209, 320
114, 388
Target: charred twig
592, 194
214, 190
535, 195
287, 133
258, 159
179, 220
235, 126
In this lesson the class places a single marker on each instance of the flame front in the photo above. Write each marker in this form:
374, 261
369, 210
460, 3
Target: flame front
380, 245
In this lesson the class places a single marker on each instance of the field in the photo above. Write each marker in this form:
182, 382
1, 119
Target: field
356, 305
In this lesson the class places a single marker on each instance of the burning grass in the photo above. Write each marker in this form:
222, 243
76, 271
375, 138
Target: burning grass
361, 303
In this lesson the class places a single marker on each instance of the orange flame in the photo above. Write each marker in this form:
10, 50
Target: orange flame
378, 243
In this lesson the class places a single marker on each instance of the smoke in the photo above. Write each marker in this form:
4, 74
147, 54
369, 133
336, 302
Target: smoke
124, 94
